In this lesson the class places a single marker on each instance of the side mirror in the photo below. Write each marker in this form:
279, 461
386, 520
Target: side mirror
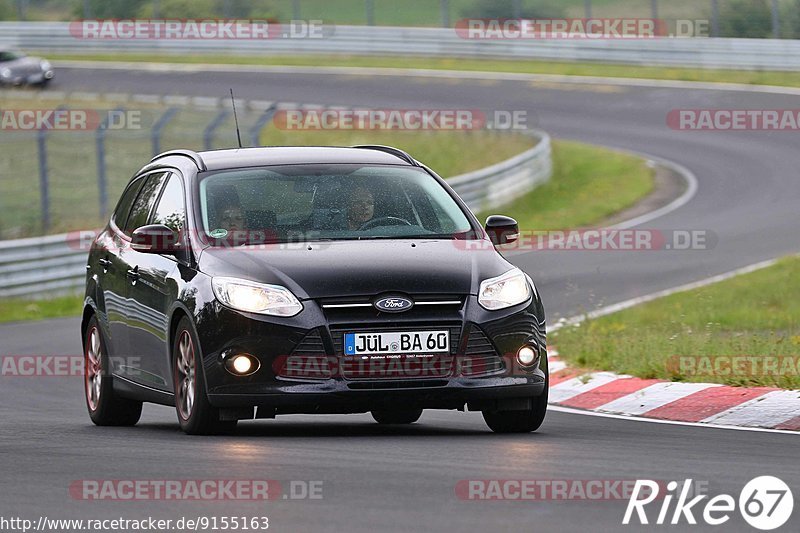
502, 229
155, 239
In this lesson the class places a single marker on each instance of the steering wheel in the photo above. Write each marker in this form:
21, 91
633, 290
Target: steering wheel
384, 221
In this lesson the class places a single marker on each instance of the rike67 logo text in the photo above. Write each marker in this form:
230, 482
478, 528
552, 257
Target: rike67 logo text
765, 503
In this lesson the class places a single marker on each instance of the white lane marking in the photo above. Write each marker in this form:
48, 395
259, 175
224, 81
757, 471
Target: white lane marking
572, 387
649, 398
680, 201
555, 366
569, 410
614, 308
768, 410
691, 190
429, 73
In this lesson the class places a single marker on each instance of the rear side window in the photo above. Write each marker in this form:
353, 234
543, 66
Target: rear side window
170, 209
148, 195
125, 202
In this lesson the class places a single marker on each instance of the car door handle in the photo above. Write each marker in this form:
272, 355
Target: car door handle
133, 274
105, 263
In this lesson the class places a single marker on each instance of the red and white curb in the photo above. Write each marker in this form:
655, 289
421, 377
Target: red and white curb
703, 403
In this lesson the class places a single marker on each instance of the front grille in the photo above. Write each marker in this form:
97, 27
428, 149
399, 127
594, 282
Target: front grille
404, 384
311, 344
480, 357
427, 307
309, 360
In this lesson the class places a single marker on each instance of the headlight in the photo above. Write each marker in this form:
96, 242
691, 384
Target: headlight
45, 65
255, 297
5, 73
510, 289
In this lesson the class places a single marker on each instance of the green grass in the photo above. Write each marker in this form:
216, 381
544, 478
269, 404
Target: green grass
449, 153
589, 184
757, 314
424, 12
17, 310
751, 77
72, 158
428, 12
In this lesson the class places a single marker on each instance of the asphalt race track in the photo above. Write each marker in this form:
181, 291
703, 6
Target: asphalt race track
404, 478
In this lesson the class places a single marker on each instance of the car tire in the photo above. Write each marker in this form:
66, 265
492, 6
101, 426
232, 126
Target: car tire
524, 421
195, 414
105, 407
397, 417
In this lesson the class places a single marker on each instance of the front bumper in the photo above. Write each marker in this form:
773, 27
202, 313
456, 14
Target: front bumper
37, 78
475, 335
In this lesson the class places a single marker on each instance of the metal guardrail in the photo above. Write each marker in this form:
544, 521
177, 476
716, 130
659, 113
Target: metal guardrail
772, 54
55, 264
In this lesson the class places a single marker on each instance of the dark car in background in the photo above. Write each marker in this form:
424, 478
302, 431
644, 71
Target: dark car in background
18, 69
242, 284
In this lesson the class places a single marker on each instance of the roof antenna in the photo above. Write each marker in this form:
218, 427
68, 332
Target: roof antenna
236, 119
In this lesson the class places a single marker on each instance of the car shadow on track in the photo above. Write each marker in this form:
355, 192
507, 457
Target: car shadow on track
331, 429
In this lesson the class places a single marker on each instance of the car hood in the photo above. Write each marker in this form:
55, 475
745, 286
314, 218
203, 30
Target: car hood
359, 268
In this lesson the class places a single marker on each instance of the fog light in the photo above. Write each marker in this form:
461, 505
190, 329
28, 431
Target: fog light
526, 356
242, 364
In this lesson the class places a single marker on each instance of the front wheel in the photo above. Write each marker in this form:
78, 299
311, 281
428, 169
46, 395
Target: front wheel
105, 407
195, 414
523, 421
397, 417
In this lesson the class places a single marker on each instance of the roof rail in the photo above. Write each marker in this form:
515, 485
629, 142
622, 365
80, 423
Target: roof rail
389, 150
194, 156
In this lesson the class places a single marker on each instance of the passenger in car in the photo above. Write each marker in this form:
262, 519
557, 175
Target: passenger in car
360, 207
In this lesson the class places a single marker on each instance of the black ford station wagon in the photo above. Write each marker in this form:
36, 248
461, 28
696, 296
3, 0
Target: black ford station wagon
248, 283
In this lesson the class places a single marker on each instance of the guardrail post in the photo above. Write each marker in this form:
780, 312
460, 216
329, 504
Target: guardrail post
776, 20
208, 133
262, 121
102, 180
715, 18
296, 9
44, 183
87, 9
587, 8
155, 136
654, 8
445, 6
22, 9
370, 7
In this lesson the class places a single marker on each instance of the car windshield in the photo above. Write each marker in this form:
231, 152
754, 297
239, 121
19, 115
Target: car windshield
7, 55
327, 202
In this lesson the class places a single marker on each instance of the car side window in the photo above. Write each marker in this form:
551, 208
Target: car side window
170, 210
148, 195
126, 200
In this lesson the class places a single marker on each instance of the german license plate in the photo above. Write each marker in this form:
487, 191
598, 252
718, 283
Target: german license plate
396, 342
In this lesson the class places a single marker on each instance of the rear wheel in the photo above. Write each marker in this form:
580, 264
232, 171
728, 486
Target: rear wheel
105, 407
523, 421
397, 417
195, 414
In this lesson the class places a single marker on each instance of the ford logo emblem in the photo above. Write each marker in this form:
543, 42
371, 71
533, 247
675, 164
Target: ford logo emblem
393, 304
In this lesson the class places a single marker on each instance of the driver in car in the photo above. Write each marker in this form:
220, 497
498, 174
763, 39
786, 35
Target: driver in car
360, 207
